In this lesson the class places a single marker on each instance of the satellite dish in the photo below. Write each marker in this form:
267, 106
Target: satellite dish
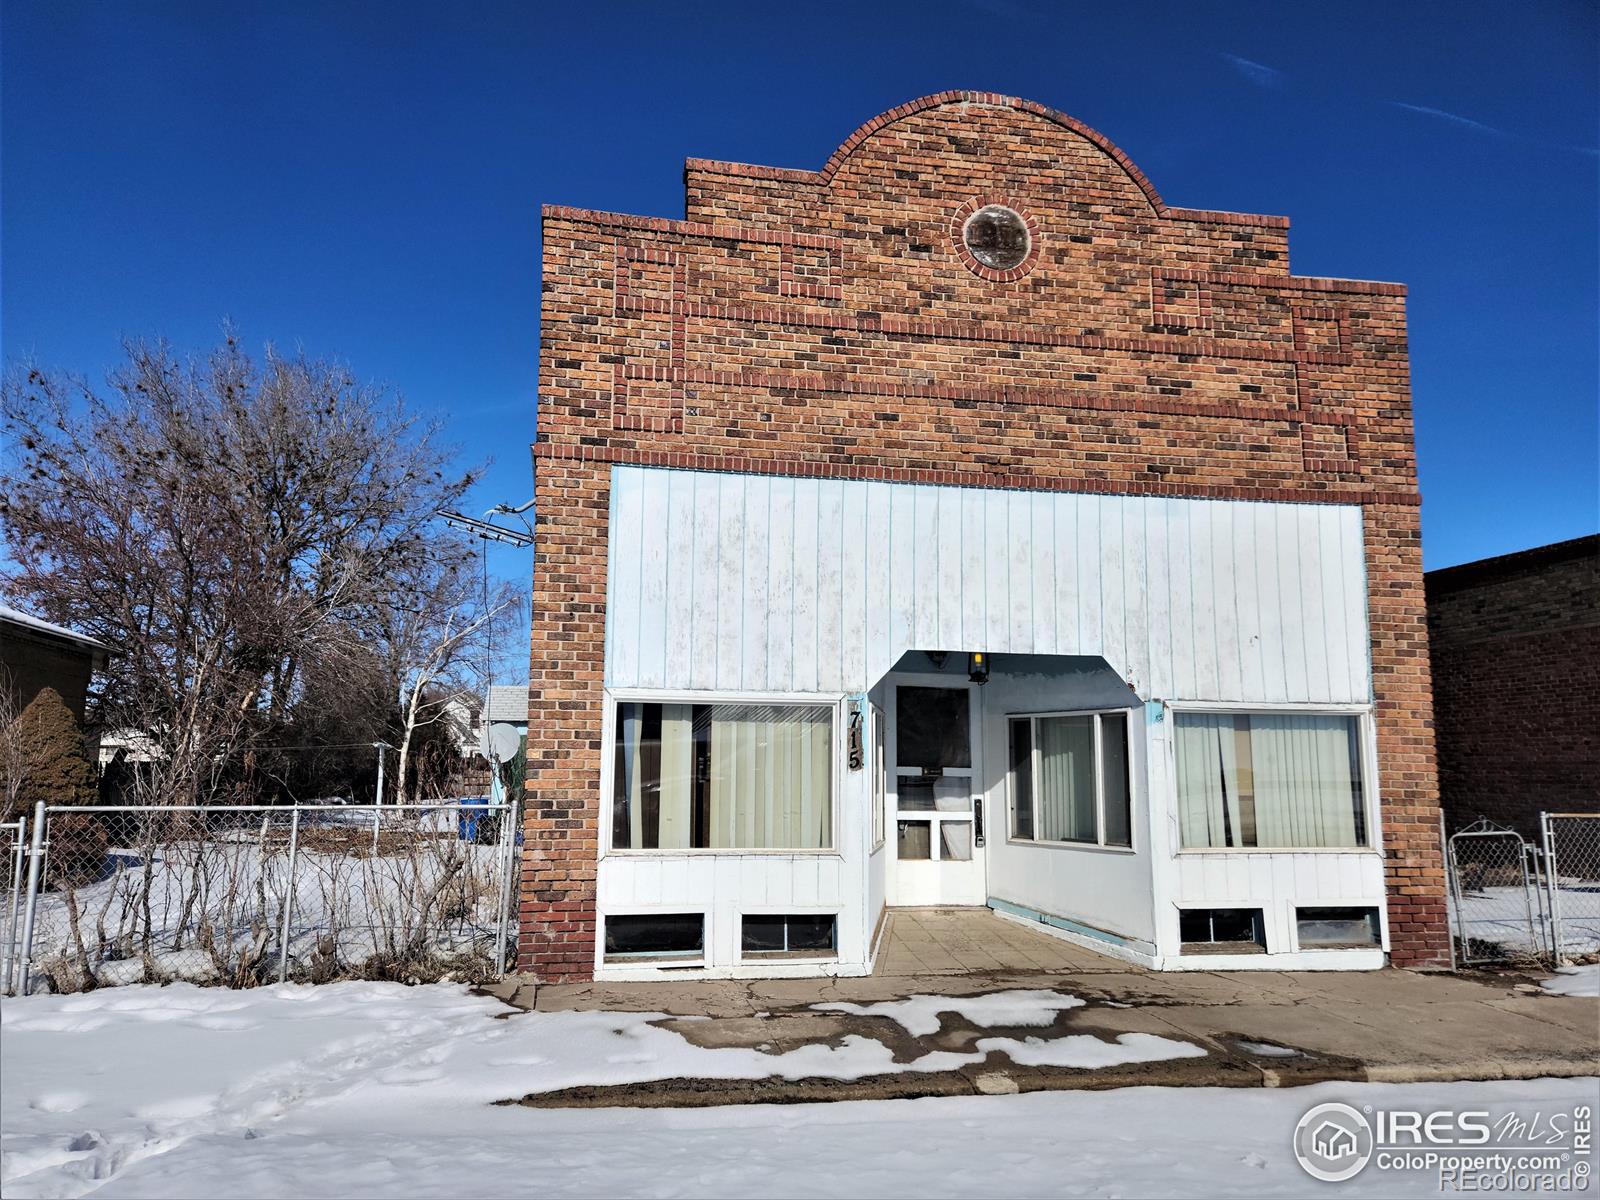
500, 742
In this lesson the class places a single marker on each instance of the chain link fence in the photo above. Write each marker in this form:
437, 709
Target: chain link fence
1572, 870
248, 895
1496, 911
13, 857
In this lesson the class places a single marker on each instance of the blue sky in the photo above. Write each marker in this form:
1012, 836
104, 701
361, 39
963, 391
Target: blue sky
363, 180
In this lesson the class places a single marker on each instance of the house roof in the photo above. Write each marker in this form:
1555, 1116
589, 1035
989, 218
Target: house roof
508, 703
37, 625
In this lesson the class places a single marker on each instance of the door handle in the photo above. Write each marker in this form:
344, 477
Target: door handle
977, 820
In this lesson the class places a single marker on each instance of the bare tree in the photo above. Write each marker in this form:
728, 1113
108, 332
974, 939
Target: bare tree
13, 758
439, 643
229, 528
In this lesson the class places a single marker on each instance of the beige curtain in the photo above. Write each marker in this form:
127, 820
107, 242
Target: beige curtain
1306, 781
1208, 779
629, 784
677, 777
1303, 776
1066, 810
771, 785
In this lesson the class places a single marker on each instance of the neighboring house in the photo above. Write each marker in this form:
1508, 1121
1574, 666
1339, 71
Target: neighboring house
36, 654
1515, 644
465, 715
507, 706
958, 525
128, 746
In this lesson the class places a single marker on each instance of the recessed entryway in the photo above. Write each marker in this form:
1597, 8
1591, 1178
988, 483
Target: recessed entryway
935, 785
959, 941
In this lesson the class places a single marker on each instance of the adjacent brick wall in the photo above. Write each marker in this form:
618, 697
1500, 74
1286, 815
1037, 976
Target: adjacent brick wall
1516, 666
824, 323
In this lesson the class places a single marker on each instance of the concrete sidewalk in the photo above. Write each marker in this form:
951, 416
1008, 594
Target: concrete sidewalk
1259, 1029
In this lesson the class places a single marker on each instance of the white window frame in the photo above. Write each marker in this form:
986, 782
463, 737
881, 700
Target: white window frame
645, 960
1292, 923
1099, 781
608, 754
1366, 738
879, 786
788, 910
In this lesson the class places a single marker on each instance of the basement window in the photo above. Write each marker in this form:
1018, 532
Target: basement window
656, 937
793, 935
1222, 931
1337, 928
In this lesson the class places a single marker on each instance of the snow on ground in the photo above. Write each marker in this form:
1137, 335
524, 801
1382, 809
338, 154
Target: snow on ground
1500, 916
1575, 981
365, 1089
235, 880
919, 1015
1084, 1050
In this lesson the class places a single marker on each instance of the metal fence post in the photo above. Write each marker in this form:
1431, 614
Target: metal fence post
288, 895
1553, 883
1450, 890
508, 841
18, 853
35, 867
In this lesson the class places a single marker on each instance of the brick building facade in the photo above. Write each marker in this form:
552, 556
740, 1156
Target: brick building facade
1515, 644
805, 334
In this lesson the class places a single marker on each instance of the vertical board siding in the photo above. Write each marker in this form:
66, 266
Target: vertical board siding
760, 583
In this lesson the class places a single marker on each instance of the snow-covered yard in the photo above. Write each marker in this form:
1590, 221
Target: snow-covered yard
1513, 919
369, 1089
374, 892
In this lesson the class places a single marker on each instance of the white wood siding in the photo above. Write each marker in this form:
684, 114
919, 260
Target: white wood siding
763, 583
1277, 882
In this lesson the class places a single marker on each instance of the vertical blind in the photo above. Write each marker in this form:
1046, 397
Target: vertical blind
1066, 788
1286, 781
1069, 778
723, 777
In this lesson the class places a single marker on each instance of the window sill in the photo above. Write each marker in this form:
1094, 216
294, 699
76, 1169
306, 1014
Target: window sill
1203, 850
1200, 949
1095, 846
720, 853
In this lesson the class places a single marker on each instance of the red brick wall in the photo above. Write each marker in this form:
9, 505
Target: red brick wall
1516, 666
828, 323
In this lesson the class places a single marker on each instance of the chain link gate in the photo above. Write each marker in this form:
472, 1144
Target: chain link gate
247, 895
13, 856
1497, 912
1572, 883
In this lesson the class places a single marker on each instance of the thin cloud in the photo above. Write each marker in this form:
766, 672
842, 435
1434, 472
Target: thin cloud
1453, 118
1257, 73
1487, 130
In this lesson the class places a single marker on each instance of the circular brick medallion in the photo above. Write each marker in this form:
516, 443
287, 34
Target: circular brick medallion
995, 238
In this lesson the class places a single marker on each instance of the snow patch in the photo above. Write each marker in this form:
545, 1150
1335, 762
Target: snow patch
1085, 1051
919, 1015
1574, 981
1267, 1050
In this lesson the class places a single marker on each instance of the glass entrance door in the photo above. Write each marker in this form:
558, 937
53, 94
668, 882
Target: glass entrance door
937, 858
